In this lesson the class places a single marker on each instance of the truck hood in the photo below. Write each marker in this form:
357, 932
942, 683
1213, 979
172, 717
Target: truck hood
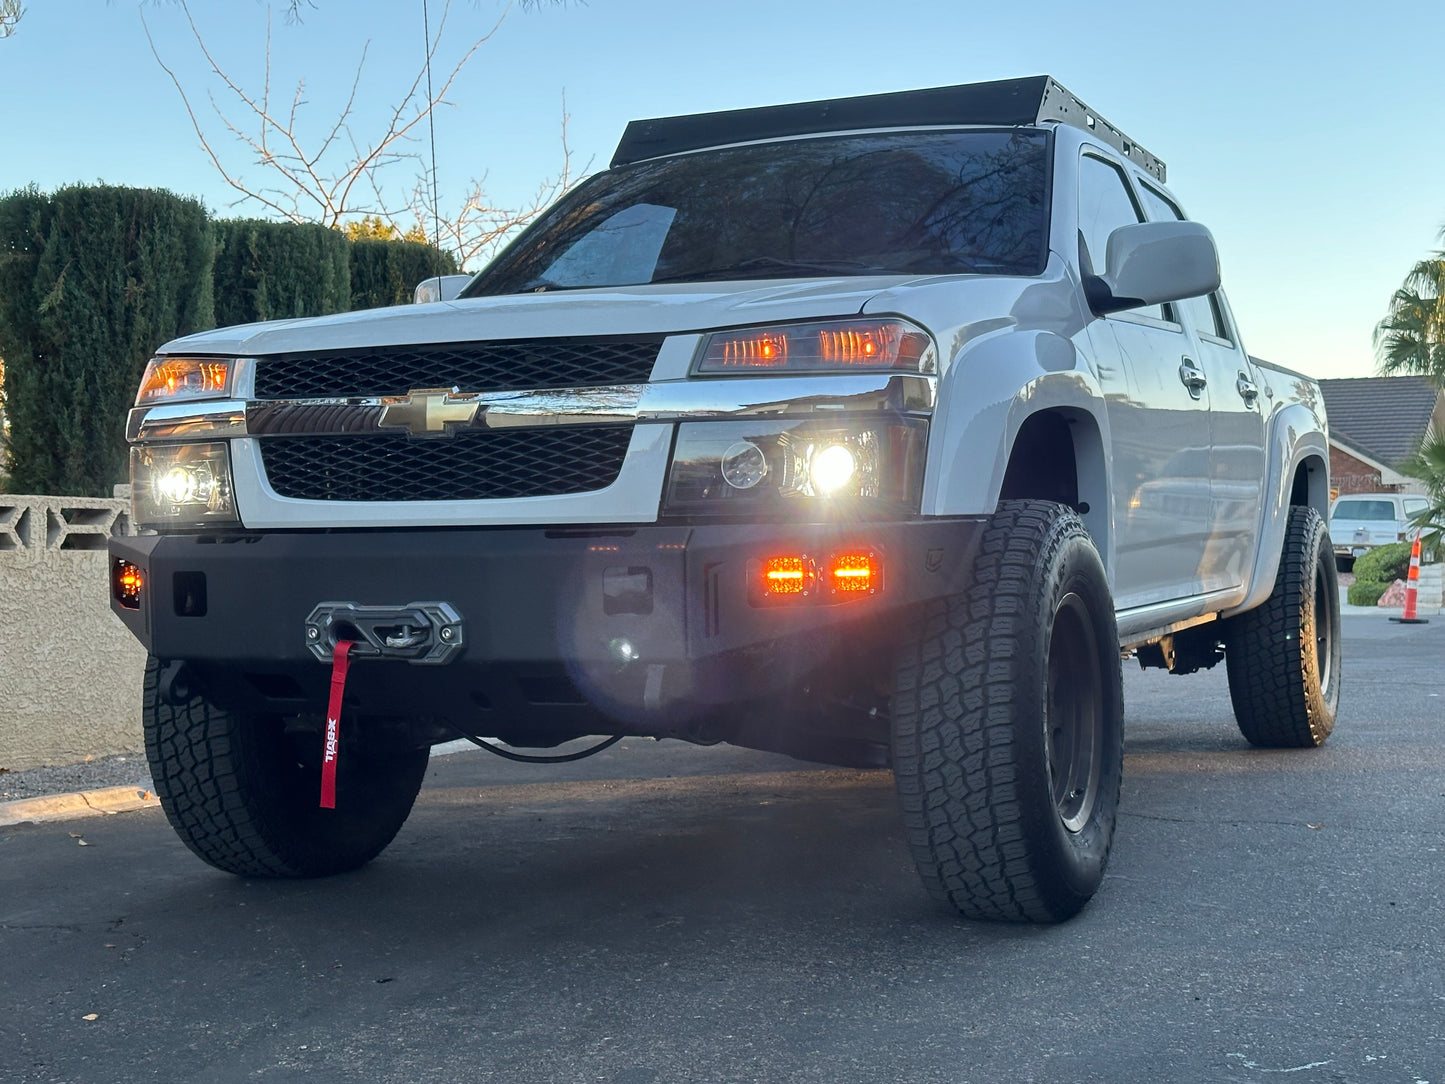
623, 310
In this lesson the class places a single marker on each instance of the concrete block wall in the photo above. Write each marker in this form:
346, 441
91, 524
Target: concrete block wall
1430, 591
70, 673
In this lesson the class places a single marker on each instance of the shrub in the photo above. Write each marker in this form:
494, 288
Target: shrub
279, 270
1383, 564
387, 272
92, 279
1365, 592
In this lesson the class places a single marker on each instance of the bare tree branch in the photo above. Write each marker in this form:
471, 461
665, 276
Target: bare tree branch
343, 176
10, 15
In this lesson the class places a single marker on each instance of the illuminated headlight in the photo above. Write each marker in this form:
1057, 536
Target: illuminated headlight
181, 485
170, 380
830, 469
801, 468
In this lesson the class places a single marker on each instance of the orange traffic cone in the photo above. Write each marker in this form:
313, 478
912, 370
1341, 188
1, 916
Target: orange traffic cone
1412, 588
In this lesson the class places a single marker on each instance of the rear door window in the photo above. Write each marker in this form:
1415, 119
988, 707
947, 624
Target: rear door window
1204, 312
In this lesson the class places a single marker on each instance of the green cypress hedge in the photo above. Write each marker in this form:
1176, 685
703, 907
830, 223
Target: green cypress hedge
92, 279
22, 239
279, 270
387, 272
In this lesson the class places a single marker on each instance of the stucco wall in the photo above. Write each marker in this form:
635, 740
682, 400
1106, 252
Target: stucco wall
70, 673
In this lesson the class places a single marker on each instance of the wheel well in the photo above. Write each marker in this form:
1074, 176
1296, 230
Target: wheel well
1311, 485
1058, 455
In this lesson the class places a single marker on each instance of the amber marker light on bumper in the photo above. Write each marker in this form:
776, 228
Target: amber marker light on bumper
126, 582
798, 578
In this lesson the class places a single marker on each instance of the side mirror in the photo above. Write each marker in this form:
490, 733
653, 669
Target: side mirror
441, 288
1150, 263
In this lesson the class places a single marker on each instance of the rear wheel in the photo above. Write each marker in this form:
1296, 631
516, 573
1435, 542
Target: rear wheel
243, 795
1283, 656
1007, 721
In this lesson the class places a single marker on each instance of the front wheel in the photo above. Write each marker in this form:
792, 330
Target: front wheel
1008, 724
1283, 656
244, 797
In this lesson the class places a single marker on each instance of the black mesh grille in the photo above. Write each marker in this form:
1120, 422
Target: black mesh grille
480, 465
515, 365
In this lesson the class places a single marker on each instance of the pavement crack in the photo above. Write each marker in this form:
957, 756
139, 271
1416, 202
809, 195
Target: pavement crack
1233, 821
62, 927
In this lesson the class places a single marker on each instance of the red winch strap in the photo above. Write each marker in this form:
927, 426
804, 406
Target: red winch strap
340, 662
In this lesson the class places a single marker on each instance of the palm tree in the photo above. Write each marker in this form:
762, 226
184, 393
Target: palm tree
1411, 339
1427, 464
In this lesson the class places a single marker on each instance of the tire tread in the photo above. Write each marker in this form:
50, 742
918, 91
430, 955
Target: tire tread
1273, 678
956, 710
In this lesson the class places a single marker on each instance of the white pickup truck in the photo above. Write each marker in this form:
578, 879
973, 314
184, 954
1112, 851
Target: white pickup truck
870, 430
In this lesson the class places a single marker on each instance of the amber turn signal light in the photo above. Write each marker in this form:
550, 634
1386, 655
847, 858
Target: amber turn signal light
829, 346
168, 379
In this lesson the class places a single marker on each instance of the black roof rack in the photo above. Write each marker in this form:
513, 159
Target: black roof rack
1005, 102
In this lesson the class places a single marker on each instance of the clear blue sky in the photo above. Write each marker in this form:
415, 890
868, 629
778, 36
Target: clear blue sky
1306, 135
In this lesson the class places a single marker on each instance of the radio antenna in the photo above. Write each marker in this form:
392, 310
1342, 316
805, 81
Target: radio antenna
432, 129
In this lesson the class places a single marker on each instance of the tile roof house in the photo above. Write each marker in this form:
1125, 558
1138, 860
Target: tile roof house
1375, 422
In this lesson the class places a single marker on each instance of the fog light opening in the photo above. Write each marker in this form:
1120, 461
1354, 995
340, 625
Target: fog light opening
623, 651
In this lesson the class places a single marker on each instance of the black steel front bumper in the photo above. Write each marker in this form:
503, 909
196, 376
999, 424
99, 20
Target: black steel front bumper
644, 624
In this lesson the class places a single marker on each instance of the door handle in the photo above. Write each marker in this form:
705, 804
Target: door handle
1192, 377
1248, 389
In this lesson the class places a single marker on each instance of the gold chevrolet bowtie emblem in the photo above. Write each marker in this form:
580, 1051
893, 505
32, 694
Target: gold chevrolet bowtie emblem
428, 411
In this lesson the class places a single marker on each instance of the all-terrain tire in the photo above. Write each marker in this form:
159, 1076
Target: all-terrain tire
238, 795
1283, 656
1008, 722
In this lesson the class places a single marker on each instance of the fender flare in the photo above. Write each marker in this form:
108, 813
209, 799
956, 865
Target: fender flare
1295, 438
989, 393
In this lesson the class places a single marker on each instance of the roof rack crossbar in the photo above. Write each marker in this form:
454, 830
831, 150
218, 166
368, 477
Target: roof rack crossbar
1006, 103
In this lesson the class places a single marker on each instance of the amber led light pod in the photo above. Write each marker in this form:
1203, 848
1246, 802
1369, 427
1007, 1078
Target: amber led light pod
858, 573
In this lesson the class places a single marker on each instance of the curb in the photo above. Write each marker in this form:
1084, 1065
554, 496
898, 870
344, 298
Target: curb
85, 803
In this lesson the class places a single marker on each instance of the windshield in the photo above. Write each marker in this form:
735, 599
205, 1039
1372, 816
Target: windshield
942, 202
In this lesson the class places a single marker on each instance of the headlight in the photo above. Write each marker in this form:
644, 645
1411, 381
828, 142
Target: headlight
856, 345
181, 485
170, 380
799, 468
